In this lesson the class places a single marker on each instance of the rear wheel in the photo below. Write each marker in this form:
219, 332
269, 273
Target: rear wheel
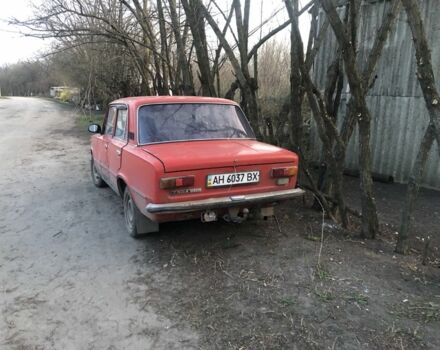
96, 178
136, 223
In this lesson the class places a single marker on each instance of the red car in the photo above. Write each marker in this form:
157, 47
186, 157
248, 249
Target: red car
178, 158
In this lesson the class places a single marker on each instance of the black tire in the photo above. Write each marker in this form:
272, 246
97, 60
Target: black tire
136, 223
96, 177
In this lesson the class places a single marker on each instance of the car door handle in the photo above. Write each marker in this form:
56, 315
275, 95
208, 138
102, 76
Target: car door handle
118, 152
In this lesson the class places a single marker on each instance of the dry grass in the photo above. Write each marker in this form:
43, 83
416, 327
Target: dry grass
422, 310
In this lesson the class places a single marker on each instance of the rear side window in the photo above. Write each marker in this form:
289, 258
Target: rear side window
191, 121
121, 124
110, 121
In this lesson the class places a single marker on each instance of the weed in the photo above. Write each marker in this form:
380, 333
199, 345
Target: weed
324, 295
322, 273
358, 298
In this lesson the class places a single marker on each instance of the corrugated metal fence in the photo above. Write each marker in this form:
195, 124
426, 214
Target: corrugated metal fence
395, 101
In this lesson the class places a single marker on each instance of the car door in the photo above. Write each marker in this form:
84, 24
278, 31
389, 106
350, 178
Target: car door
101, 152
116, 144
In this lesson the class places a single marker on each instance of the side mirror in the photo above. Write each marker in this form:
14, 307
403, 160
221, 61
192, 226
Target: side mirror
94, 128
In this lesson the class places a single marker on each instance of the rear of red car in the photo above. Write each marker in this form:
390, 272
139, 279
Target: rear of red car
213, 166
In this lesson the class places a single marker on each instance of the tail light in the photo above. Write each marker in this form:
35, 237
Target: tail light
284, 172
176, 182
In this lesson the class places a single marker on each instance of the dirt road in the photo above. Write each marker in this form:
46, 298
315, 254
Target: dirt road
65, 259
72, 278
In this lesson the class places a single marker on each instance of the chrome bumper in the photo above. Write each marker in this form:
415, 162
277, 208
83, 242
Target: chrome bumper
224, 202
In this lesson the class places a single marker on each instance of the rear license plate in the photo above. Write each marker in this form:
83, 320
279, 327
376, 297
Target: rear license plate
231, 179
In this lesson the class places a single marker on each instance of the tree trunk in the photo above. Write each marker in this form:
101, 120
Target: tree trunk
247, 84
197, 25
427, 82
347, 42
413, 190
249, 89
187, 87
165, 88
370, 222
296, 90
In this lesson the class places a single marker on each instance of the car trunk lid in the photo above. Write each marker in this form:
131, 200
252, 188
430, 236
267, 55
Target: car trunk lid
209, 154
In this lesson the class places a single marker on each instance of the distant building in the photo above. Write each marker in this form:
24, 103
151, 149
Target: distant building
65, 93
396, 103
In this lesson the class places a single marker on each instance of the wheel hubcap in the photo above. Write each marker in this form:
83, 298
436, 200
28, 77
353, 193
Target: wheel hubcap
129, 212
96, 176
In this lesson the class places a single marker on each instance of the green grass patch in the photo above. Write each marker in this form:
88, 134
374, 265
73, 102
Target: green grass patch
85, 120
322, 273
358, 298
324, 295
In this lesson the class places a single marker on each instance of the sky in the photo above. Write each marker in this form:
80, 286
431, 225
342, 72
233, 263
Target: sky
16, 47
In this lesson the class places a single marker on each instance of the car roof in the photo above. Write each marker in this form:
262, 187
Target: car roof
141, 100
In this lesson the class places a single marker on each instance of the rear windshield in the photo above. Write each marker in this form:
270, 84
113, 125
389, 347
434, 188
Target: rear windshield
191, 121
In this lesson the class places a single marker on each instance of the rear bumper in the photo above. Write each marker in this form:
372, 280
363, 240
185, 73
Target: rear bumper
224, 202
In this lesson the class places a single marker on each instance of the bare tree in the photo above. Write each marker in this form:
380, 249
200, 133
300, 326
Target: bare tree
164, 88
81, 22
359, 81
241, 69
245, 81
325, 104
187, 87
197, 25
425, 74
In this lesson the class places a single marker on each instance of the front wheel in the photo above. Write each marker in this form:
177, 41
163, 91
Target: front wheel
96, 178
136, 223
